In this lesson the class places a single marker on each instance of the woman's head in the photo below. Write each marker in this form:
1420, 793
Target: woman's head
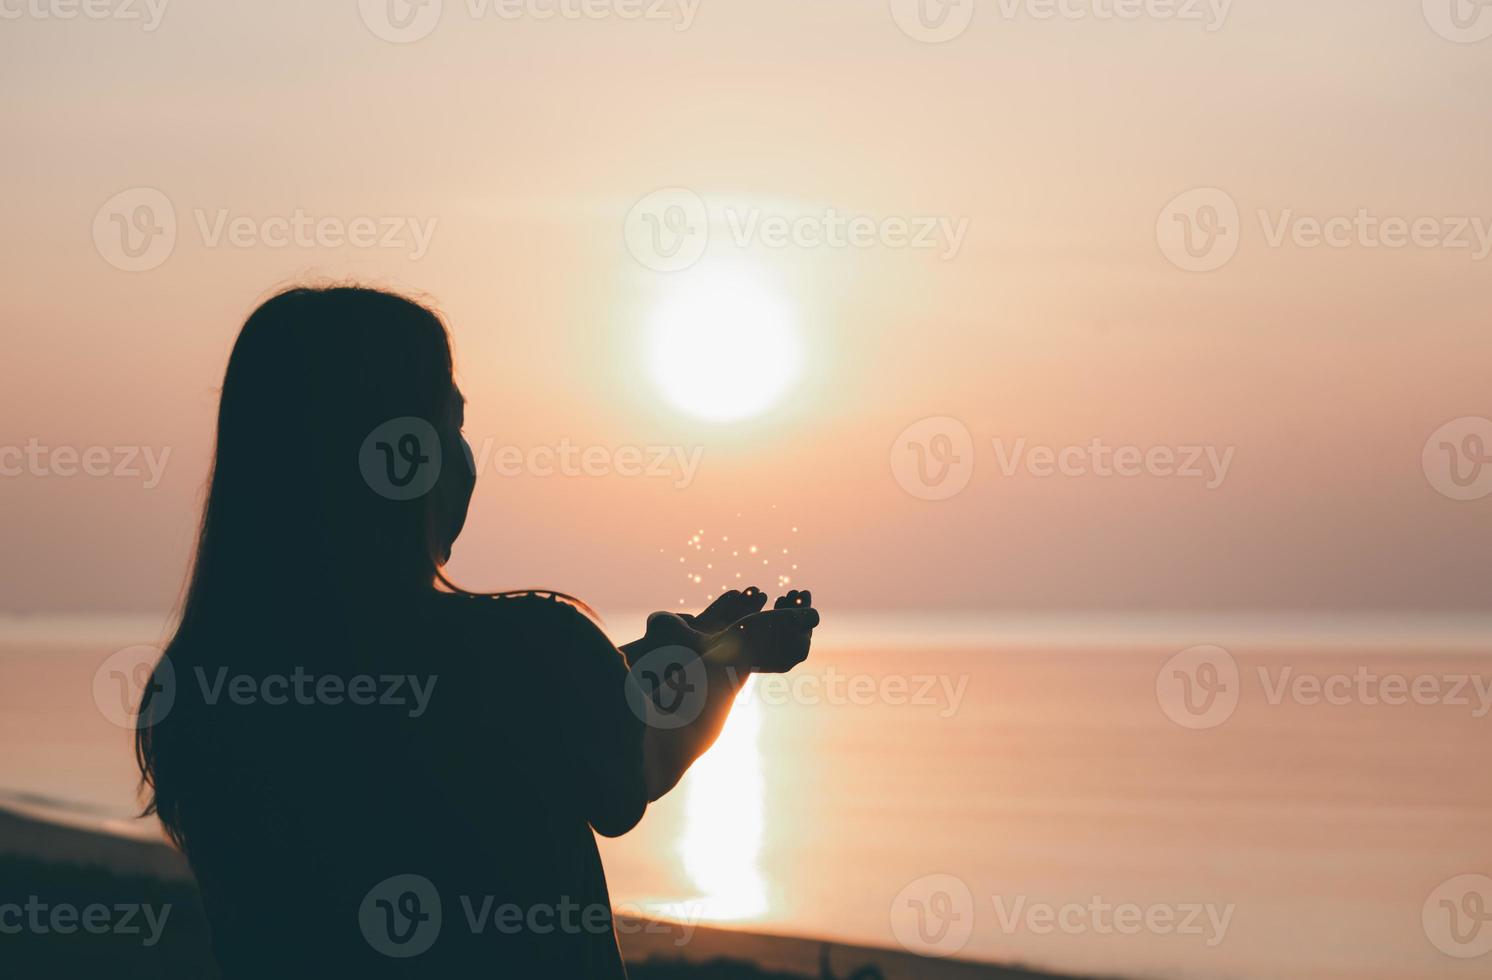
339, 459
339, 482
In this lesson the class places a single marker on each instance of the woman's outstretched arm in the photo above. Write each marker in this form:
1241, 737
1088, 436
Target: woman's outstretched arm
703, 691
636, 719
667, 753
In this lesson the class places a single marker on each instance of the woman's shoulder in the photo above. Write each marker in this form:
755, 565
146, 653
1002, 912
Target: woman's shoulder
514, 613
539, 630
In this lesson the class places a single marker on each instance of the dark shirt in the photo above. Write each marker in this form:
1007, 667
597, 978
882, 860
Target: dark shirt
336, 840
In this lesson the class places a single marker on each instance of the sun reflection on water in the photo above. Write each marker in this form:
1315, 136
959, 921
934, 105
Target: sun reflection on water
722, 841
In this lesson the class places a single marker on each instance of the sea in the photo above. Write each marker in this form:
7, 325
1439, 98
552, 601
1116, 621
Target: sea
1169, 796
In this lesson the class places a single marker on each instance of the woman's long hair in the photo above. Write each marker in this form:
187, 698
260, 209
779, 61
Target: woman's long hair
296, 538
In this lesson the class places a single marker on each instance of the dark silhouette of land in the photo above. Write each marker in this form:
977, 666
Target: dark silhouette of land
63, 864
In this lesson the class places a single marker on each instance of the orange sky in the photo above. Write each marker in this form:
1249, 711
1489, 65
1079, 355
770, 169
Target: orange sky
1056, 143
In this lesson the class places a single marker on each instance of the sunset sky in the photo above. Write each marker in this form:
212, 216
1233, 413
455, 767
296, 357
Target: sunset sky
522, 145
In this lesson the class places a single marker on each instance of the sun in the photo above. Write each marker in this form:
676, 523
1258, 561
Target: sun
723, 344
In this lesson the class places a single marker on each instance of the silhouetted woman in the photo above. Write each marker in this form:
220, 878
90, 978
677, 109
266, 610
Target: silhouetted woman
372, 772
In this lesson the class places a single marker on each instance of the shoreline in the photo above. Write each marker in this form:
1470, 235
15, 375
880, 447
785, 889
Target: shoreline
77, 849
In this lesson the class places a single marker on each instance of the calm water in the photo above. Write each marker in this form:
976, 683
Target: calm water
1030, 766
